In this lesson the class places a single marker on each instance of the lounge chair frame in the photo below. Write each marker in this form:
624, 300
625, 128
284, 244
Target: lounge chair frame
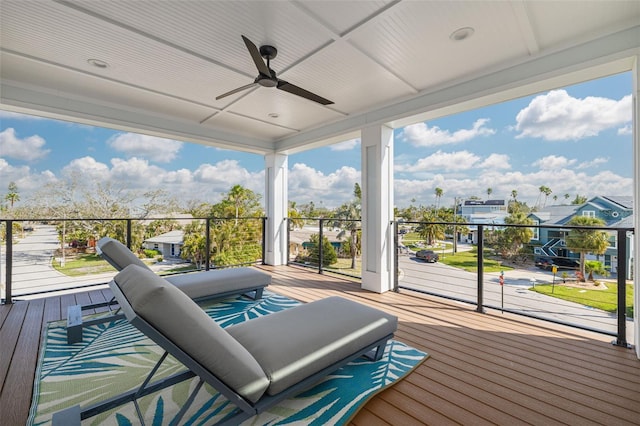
244, 410
75, 322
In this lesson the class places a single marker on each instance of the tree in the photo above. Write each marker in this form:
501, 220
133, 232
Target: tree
595, 267
489, 192
586, 240
12, 196
348, 220
567, 196
329, 256
580, 199
194, 244
294, 216
512, 240
439, 193
357, 191
429, 230
514, 194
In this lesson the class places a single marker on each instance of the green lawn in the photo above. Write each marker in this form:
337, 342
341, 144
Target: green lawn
468, 260
606, 300
85, 264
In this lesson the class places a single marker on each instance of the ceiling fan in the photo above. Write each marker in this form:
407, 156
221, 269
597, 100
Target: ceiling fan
267, 77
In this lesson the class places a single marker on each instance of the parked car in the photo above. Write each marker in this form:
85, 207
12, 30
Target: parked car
560, 262
428, 255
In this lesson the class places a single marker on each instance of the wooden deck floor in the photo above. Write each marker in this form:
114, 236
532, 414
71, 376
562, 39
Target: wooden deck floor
484, 368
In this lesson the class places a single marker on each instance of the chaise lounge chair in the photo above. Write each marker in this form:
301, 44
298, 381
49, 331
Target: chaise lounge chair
255, 364
199, 286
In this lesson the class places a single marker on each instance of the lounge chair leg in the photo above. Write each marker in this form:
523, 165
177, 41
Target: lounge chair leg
258, 294
74, 324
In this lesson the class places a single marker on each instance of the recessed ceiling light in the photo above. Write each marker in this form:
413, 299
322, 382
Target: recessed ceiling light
98, 63
462, 34
273, 115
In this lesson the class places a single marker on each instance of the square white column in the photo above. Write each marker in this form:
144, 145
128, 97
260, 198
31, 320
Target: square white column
276, 208
377, 208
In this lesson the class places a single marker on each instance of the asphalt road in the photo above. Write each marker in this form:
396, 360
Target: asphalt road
32, 270
441, 279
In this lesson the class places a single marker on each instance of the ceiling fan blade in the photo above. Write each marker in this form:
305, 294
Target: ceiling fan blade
257, 57
239, 89
292, 88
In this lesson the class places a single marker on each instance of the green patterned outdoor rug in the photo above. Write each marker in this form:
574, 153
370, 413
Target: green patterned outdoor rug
115, 357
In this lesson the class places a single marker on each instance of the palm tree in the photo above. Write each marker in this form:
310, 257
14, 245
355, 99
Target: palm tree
586, 241
514, 195
547, 191
567, 196
439, 193
294, 216
489, 192
431, 231
350, 216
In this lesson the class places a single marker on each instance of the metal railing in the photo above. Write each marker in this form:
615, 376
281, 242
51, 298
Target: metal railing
27, 261
481, 286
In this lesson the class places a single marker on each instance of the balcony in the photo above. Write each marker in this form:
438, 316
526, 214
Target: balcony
496, 368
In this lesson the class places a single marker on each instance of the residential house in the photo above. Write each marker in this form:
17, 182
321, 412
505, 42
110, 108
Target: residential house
616, 212
486, 212
169, 243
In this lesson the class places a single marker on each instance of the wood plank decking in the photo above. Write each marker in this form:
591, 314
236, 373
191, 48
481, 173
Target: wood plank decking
484, 368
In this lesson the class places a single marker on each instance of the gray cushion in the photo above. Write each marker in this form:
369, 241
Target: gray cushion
183, 322
293, 344
206, 283
117, 254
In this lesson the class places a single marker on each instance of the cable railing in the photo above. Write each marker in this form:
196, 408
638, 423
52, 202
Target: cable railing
40, 256
482, 267
540, 279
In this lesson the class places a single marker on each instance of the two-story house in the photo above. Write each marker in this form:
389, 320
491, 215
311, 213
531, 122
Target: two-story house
615, 211
479, 211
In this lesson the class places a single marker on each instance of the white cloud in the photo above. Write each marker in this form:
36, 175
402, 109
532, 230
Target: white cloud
496, 162
28, 149
626, 130
442, 161
346, 145
308, 184
593, 163
87, 167
554, 162
420, 134
136, 145
558, 116
24, 177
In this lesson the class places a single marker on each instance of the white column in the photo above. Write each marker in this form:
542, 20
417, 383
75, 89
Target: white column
636, 202
377, 208
276, 209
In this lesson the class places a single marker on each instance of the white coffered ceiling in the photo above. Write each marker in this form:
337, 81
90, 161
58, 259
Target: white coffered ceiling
389, 62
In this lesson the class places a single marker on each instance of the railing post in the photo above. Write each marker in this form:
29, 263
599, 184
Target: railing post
621, 339
395, 258
207, 239
320, 247
264, 240
480, 306
129, 233
9, 262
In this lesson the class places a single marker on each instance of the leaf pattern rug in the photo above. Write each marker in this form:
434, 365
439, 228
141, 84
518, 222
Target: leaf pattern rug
115, 357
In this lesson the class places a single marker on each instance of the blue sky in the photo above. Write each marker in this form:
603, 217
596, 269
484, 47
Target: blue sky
575, 140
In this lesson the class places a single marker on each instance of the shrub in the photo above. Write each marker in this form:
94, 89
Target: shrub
150, 254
